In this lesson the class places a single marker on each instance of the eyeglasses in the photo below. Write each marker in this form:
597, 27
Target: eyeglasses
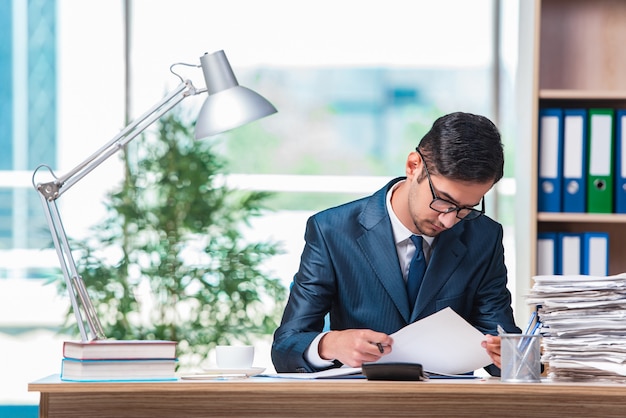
445, 206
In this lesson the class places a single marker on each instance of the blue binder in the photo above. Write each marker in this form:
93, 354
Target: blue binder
550, 160
571, 248
596, 253
620, 161
575, 160
548, 252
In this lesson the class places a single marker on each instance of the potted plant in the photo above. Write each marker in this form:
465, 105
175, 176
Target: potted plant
170, 260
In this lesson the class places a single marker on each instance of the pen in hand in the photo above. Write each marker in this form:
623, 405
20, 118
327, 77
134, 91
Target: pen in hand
380, 348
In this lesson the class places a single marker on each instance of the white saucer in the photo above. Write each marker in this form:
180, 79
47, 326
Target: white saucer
252, 371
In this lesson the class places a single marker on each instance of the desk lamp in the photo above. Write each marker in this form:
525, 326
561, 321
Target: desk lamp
228, 106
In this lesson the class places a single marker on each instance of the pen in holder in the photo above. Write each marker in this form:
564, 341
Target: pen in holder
521, 358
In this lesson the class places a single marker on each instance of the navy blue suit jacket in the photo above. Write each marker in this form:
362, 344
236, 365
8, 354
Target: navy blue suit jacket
350, 268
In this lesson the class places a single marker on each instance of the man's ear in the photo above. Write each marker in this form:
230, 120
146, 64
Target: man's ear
413, 165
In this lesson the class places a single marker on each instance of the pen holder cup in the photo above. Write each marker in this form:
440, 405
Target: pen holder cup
521, 358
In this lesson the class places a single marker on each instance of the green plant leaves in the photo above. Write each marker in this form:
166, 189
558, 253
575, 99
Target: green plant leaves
170, 261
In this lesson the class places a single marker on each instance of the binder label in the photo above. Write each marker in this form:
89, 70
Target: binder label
598, 254
622, 140
600, 152
570, 255
572, 164
546, 251
548, 164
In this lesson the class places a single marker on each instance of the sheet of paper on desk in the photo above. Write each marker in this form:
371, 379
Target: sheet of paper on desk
338, 372
442, 343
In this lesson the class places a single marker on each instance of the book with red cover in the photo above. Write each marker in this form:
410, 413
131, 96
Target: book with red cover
119, 349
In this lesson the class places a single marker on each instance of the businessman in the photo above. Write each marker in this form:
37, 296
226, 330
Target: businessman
420, 244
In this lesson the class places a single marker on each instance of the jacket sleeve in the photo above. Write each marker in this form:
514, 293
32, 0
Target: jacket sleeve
492, 306
309, 302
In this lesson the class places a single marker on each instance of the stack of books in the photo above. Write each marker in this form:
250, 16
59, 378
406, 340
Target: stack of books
583, 326
118, 360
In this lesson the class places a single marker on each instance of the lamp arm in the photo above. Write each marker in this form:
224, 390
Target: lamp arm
74, 283
54, 189
90, 326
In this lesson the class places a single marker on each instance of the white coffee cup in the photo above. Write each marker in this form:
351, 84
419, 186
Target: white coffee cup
234, 356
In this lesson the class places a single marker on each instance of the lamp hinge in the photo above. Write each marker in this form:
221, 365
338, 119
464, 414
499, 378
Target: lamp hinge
49, 190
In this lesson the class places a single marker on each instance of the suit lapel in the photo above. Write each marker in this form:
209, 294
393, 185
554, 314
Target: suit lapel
378, 245
446, 256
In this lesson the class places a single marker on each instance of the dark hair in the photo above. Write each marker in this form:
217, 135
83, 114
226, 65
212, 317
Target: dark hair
463, 146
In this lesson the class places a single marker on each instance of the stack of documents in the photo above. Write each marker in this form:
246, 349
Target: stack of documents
584, 326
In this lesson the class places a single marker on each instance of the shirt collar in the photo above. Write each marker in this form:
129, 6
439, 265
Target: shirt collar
400, 232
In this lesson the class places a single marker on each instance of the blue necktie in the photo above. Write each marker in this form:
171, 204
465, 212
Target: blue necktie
416, 270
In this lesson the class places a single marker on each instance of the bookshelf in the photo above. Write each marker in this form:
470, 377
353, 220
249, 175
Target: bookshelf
578, 61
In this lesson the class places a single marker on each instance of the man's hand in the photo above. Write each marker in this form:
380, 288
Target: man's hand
492, 345
353, 347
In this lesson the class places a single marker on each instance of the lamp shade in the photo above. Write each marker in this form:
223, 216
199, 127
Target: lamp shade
229, 105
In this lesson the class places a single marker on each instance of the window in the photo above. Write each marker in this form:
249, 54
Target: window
357, 83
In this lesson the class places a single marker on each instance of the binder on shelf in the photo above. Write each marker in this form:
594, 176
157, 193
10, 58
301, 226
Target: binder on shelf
571, 248
600, 173
550, 160
620, 161
595, 253
547, 253
574, 160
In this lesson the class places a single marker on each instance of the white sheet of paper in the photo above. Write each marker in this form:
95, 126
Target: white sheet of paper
324, 374
442, 343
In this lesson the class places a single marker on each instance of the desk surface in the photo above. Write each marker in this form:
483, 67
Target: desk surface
340, 397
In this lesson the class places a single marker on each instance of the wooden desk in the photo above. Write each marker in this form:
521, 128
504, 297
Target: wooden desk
266, 397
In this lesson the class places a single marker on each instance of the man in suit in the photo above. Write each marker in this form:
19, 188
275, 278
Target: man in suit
357, 256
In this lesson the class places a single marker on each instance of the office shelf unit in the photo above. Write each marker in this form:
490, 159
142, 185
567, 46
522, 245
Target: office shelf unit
579, 61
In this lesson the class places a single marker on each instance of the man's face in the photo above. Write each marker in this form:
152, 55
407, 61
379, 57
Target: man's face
427, 221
